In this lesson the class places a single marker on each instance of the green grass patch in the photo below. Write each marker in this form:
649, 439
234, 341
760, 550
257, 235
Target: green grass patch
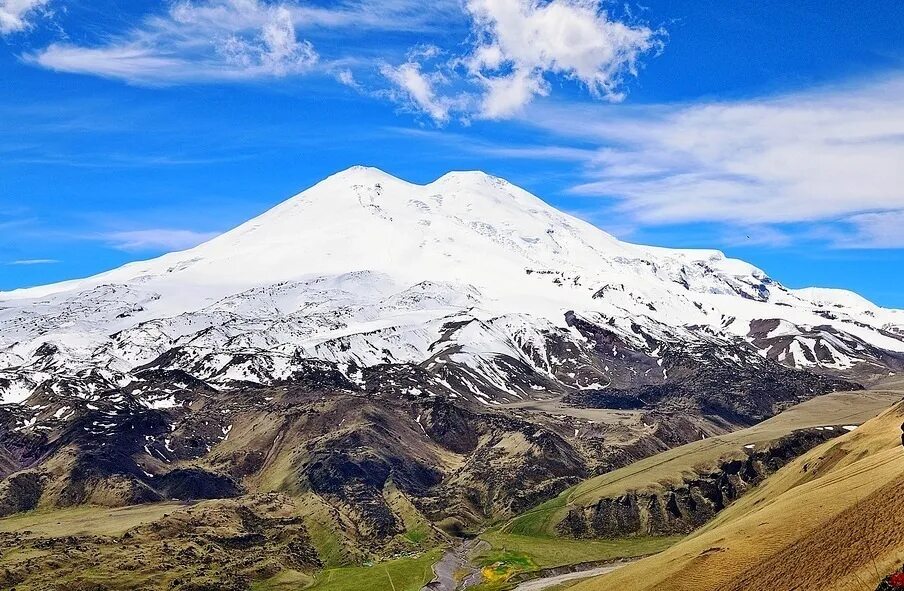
418, 534
548, 552
499, 565
289, 580
501, 561
542, 519
404, 574
328, 544
512, 554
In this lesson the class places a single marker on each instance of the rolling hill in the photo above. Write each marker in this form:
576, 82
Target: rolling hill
829, 520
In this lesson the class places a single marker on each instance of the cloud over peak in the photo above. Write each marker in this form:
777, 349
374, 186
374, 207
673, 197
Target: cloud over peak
520, 42
515, 49
517, 45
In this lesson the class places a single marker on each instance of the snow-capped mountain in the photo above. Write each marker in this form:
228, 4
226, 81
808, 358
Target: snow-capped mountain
490, 293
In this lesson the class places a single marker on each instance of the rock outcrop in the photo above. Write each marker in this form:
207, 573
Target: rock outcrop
669, 509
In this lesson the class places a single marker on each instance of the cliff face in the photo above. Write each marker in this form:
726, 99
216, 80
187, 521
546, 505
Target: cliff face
20, 492
678, 509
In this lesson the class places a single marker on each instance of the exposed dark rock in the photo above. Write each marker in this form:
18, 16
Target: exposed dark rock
193, 483
681, 509
740, 394
21, 492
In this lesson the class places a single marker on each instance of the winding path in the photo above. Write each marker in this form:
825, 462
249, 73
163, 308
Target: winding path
547, 582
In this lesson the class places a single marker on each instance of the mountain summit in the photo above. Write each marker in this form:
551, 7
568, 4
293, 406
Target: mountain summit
365, 219
366, 268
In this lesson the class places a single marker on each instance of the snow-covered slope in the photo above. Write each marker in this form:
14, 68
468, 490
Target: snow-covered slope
471, 278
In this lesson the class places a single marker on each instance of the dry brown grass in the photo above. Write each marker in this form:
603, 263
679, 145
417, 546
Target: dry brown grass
86, 520
672, 467
831, 520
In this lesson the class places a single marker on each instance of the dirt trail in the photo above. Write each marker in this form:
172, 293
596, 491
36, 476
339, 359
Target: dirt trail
547, 582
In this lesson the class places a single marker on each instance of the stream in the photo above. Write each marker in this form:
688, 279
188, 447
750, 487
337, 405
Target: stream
454, 561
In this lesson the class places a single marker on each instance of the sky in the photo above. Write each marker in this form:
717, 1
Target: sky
773, 131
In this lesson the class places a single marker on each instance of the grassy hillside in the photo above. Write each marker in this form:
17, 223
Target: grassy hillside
670, 467
404, 574
85, 520
831, 520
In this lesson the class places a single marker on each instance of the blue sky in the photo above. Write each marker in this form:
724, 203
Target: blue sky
771, 130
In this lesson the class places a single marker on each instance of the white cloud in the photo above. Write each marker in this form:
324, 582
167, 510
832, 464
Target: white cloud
418, 89
813, 156
518, 45
15, 15
521, 41
32, 262
517, 48
199, 41
508, 94
277, 52
211, 40
156, 239
347, 77
873, 230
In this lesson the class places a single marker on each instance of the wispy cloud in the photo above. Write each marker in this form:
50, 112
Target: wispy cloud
872, 230
156, 239
31, 262
418, 90
820, 167
37, 155
806, 156
829, 156
216, 40
516, 48
202, 41
17, 15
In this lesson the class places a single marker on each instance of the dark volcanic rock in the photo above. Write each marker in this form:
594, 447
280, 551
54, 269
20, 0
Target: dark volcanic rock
20, 492
742, 395
681, 509
188, 484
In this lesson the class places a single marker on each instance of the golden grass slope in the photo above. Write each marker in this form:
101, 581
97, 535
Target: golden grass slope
831, 520
687, 461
